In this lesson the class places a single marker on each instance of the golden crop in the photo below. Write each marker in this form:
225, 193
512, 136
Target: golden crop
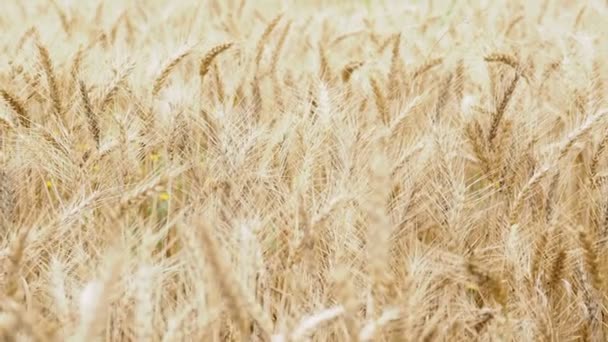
211, 170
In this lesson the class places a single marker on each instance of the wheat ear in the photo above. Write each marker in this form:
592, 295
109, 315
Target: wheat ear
243, 308
47, 65
17, 106
161, 79
381, 102
349, 69
264, 39
92, 119
210, 56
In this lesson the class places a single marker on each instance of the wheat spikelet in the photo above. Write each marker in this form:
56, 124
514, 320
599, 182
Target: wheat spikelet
241, 8
94, 300
502, 149
578, 133
598, 88
308, 241
476, 136
149, 188
486, 318
499, 112
15, 259
381, 102
521, 69
279, 48
278, 92
58, 145
259, 50
395, 68
591, 260
219, 85
76, 64
210, 56
459, 81
549, 70
379, 232
308, 324
17, 107
486, 280
88, 111
503, 58
276, 86
144, 304
178, 136
540, 251
551, 198
116, 26
384, 45
422, 69
32, 82
176, 325
161, 79
47, 65
59, 293
345, 36
257, 100
325, 70
242, 307
211, 126
109, 93
7, 199
16, 323
444, 93
595, 161
346, 295
349, 69
557, 269
63, 18
16, 69
369, 331
538, 176
310, 226
579, 16
512, 24
32, 31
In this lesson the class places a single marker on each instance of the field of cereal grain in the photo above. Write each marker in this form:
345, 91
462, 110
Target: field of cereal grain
303, 170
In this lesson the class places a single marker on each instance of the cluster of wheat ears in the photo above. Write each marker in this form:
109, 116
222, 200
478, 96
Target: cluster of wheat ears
303, 170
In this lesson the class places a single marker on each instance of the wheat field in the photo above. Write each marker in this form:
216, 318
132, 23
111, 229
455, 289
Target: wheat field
303, 170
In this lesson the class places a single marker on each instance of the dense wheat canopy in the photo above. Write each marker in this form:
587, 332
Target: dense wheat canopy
211, 170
